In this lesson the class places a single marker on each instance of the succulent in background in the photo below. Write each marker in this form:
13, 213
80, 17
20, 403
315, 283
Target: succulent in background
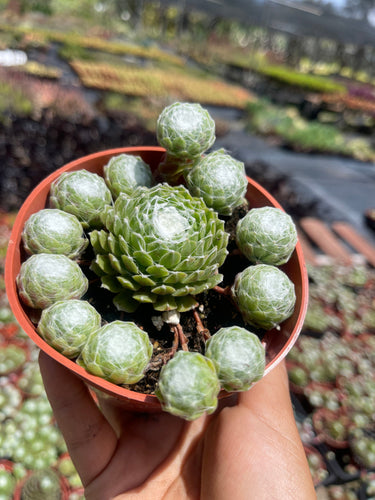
12, 358
265, 295
83, 194
220, 180
238, 356
185, 130
163, 247
267, 235
118, 351
67, 324
54, 231
46, 278
124, 172
188, 385
7, 483
42, 485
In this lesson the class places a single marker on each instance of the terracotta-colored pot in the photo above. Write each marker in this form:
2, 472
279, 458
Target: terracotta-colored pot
278, 342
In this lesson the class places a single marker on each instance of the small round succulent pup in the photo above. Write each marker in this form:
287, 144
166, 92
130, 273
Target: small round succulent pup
67, 324
265, 295
238, 356
220, 180
185, 130
267, 235
53, 231
43, 484
161, 246
83, 194
188, 385
124, 172
118, 352
46, 278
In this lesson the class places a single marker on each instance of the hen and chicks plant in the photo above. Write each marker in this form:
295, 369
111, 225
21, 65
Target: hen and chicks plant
159, 239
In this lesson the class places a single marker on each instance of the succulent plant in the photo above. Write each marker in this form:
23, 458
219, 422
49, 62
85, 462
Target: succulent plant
188, 385
124, 172
265, 295
119, 352
54, 231
220, 180
46, 278
83, 194
163, 247
7, 484
42, 485
238, 356
185, 130
67, 324
266, 235
12, 358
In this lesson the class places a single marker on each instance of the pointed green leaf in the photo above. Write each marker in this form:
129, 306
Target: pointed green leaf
175, 277
157, 271
123, 244
129, 263
143, 258
124, 302
186, 303
128, 283
165, 303
144, 297
103, 236
163, 290
111, 283
144, 280
105, 265
170, 259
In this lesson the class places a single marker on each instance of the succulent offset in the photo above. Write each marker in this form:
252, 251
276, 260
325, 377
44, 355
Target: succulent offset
67, 324
46, 278
238, 356
54, 231
188, 385
267, 235
265, 295
220, 180
83, 194
124, 172
118, 351
162, 247
185, 130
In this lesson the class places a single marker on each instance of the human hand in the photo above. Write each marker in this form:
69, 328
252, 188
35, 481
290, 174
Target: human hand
249, 450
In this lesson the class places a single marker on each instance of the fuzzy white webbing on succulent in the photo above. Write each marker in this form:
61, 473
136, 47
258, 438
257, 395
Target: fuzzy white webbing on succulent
185, 130
160, 246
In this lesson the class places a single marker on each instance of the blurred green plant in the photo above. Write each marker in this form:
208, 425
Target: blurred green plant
286, 122
13, 100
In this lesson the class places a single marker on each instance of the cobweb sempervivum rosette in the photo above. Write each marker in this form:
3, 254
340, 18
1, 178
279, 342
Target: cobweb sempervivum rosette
162, 246
220, 180
185, 130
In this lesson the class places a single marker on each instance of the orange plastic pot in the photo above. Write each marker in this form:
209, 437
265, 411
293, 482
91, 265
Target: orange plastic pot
278, 342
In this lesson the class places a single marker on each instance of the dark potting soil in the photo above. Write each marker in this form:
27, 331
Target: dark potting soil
31, 149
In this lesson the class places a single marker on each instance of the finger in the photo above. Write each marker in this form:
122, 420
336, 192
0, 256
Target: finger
90, 439
258, 439
270, 395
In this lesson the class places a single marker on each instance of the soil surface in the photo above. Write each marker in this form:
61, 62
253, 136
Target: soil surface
32, 149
